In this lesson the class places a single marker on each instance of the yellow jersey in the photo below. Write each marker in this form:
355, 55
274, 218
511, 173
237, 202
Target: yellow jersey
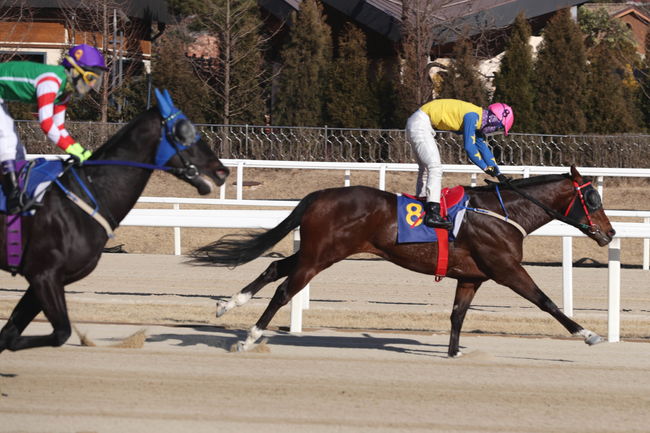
448, 114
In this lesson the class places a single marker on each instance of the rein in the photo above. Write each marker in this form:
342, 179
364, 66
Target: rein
555, 214
173, 170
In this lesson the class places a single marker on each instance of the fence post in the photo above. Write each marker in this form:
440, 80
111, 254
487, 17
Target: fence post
346, 180
599, 185
567, 275
240, 180
382, 177
177, 235
646, 248
301, 300
614, 293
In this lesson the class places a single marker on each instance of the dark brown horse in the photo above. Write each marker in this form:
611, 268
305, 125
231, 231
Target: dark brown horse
63, 244
336, 223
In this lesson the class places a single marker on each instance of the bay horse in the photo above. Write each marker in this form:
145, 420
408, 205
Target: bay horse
63, 244
336, 223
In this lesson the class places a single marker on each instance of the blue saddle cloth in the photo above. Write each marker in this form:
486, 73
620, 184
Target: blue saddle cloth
34, 178
408, 212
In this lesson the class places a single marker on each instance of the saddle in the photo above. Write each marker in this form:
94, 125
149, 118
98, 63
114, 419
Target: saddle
410, 228
34, 179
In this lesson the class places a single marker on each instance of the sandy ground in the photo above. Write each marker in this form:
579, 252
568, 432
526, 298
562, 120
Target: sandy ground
372, 357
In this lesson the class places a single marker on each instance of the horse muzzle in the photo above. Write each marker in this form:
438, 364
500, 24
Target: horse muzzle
599, 236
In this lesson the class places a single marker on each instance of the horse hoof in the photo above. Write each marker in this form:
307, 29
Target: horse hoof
241, 347
456, 355
221, 308
593, 339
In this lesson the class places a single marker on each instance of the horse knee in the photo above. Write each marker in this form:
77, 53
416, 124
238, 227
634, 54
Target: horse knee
8, 334
61, 335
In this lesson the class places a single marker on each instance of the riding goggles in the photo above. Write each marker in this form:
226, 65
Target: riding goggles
92, 79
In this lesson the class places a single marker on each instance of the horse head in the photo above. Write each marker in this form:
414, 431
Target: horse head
183, 149
586, 207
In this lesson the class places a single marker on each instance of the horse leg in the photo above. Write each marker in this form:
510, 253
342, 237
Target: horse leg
51, 298
24, 312
276, 270
294, 283
521, 283
465, 291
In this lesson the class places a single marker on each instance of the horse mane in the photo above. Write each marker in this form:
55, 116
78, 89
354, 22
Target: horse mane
524, 182
124, 130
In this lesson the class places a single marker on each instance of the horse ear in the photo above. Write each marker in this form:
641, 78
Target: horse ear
164, 106
574, 172
169, 98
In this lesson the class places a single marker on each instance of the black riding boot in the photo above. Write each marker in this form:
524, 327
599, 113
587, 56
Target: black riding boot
10, 187
432, 217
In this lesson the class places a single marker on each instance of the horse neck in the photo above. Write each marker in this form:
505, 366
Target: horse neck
118, 187
556, 195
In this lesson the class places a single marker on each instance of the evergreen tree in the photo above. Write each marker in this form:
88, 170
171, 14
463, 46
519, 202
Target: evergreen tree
513, 82
609, 109
560, 78
612, 88
305, 59
349, 97
461, 80
644, 84
385, 95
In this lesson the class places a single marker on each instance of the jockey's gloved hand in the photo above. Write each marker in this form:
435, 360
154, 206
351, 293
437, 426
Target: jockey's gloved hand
492, 171
503, 178
78, 154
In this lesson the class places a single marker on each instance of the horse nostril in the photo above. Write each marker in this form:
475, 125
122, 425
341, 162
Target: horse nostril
611, 233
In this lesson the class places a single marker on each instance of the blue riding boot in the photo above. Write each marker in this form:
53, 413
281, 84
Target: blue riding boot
10, 186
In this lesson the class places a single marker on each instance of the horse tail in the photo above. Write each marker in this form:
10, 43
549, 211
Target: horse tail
239, 248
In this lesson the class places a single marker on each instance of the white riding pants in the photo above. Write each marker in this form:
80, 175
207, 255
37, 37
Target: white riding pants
9, 143
421, 136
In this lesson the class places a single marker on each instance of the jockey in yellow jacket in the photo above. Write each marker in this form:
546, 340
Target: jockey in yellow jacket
457, 116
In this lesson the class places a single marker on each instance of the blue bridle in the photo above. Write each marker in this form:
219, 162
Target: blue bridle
177, 135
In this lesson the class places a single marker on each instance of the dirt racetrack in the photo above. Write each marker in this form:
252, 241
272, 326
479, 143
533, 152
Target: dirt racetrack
372, 357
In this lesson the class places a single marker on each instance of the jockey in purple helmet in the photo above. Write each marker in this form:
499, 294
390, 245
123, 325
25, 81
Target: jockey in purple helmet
473, 123
49, 86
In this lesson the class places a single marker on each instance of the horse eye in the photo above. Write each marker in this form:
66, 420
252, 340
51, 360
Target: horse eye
593, 199
185, 131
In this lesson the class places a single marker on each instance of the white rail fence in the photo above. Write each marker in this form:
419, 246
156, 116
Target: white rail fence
383, 169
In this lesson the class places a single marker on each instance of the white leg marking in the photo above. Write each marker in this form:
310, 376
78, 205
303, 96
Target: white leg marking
236, 301
253, 335
590, 337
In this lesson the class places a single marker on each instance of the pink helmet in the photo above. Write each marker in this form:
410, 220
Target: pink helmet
504, 113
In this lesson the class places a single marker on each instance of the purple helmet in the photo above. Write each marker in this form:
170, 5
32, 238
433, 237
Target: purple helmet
85, 56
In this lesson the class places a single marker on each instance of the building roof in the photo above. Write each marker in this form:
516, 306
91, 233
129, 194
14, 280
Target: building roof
148, 10
619, 9
384, 16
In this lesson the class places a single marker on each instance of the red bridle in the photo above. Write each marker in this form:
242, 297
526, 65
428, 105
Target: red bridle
578, 188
